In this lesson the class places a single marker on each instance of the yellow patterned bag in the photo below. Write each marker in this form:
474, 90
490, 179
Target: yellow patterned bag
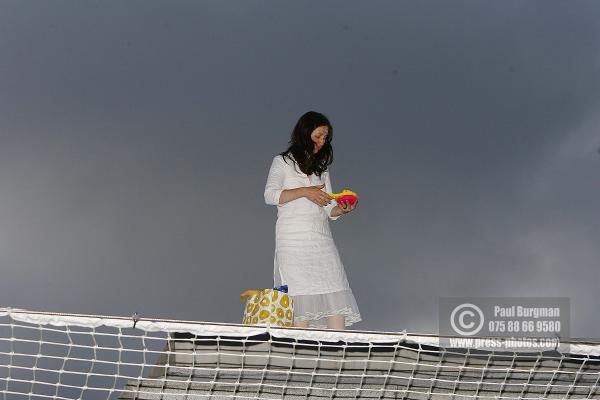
267, 307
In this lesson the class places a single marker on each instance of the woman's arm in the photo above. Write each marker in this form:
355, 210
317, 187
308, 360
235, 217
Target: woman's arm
276, 195
333, 211
274, 192
274, 185
291, 194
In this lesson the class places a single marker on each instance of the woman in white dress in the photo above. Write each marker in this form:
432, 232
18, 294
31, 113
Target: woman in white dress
306, 258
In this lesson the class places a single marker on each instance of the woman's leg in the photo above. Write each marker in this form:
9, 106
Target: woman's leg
300, 324
336, 322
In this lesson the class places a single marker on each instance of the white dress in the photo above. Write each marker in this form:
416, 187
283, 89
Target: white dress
306, 258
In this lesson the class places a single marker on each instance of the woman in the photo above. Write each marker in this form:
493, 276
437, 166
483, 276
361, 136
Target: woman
306, 258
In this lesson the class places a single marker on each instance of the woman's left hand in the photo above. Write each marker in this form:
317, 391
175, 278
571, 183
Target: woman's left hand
346, 207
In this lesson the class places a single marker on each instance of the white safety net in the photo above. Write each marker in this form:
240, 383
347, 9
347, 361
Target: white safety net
68, 356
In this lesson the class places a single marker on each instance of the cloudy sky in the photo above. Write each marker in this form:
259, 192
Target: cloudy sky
136, 137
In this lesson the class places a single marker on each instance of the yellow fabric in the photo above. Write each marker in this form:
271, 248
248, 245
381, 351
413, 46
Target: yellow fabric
267, 307
245, 296
343, 193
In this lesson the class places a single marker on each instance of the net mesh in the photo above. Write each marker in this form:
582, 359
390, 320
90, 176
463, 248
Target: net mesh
66, 356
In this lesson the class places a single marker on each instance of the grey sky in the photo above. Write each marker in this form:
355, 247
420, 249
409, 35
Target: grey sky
136, 137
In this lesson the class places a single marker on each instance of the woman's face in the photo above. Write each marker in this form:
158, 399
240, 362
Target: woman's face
319, 136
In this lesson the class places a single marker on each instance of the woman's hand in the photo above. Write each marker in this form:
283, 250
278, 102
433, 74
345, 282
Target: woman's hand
346, 207
316, 195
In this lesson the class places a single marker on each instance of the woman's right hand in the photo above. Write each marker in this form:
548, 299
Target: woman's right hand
316, 195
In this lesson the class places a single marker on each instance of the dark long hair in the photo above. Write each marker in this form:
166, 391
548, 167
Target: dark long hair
301, 145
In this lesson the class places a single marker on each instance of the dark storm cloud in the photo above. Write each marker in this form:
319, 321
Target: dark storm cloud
136, 139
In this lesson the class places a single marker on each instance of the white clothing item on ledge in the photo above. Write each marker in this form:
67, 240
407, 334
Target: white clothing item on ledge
306, 257
315, 308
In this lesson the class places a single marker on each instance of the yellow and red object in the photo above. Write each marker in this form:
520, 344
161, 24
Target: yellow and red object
345, 195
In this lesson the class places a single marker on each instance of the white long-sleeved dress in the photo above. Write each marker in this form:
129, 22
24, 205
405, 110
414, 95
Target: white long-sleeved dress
306, 258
